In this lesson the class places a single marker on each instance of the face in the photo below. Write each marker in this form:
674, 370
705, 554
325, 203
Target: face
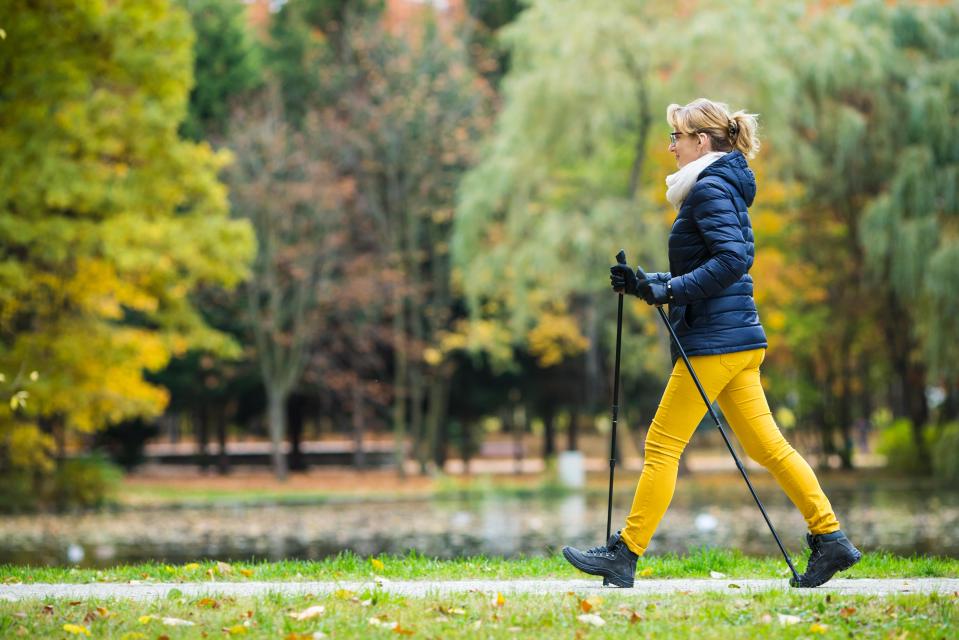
689, 147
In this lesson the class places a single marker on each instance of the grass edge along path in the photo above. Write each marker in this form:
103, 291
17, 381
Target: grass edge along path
699, 563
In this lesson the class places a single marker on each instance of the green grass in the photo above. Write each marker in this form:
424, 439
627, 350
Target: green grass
374, 614
348, 566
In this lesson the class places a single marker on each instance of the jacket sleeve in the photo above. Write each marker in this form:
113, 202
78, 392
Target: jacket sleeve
660, 277
718, 221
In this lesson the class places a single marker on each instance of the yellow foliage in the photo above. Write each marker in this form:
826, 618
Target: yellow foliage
27, 447
555, 337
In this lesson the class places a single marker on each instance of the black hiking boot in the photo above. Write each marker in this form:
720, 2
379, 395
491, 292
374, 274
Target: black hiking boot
615, 562
831, 552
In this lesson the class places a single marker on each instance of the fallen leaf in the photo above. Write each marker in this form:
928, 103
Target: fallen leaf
312, 612
817, 627
590, 603
402, 630
75, 603
845, 612
47, 609
733, 585
378, 622
208, 602
176, 622
247, 572
76, 629
104, 612
235, 630
224, 568
648, 571
786, 619
591, 618
636, 617
377, 564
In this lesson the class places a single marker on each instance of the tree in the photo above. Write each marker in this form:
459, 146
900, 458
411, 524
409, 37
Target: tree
108, 220
294, 198
227, 66
875, 135
417, 110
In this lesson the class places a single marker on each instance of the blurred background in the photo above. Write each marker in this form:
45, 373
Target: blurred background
284, 278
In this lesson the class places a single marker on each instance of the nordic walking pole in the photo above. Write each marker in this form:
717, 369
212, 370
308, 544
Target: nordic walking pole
712, 412
621, 259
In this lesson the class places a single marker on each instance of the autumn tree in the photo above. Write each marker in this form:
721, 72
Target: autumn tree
295, 199
108, 220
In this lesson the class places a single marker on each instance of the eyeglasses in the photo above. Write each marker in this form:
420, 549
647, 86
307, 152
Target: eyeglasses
674, 135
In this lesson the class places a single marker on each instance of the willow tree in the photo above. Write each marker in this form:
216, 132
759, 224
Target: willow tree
876, 121
108, 220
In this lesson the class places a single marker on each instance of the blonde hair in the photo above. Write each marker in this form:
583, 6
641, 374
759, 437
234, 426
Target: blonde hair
726, 131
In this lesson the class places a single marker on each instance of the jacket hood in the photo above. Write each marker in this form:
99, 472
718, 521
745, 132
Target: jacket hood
734, 169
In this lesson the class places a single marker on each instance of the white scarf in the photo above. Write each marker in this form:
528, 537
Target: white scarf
678, 184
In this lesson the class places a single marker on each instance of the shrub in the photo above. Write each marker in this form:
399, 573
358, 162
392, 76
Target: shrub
897, 444
84, 482
945, 453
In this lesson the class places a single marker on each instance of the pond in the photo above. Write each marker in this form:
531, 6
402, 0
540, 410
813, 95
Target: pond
897, 515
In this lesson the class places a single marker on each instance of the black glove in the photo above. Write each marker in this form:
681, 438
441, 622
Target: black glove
652, 292
623, 279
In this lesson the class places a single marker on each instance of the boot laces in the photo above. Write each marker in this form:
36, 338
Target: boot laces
601, 550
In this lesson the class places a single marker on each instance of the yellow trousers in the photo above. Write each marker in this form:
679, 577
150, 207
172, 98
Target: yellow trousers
733, 379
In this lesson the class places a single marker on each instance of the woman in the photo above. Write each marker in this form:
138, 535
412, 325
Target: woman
711, 308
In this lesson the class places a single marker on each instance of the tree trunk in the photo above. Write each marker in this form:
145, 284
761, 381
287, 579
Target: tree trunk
201, 421
911, 375
359, 427
438, 402
276, 423
399, 388
549, 432
571, 433
295, 418
223, 460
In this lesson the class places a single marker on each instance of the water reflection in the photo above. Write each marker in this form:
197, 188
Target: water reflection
901, 519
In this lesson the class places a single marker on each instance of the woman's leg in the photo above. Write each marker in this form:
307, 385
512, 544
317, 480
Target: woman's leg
744, 405
680, 411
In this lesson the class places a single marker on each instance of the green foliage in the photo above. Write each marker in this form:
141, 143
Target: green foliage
86, 481
227, 65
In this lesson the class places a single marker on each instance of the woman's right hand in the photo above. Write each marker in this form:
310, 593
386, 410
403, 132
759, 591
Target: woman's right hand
623, 279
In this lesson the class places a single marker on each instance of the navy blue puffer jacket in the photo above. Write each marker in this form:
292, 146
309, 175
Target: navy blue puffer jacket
710, 253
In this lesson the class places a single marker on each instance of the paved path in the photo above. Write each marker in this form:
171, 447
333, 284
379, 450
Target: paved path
148, 591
